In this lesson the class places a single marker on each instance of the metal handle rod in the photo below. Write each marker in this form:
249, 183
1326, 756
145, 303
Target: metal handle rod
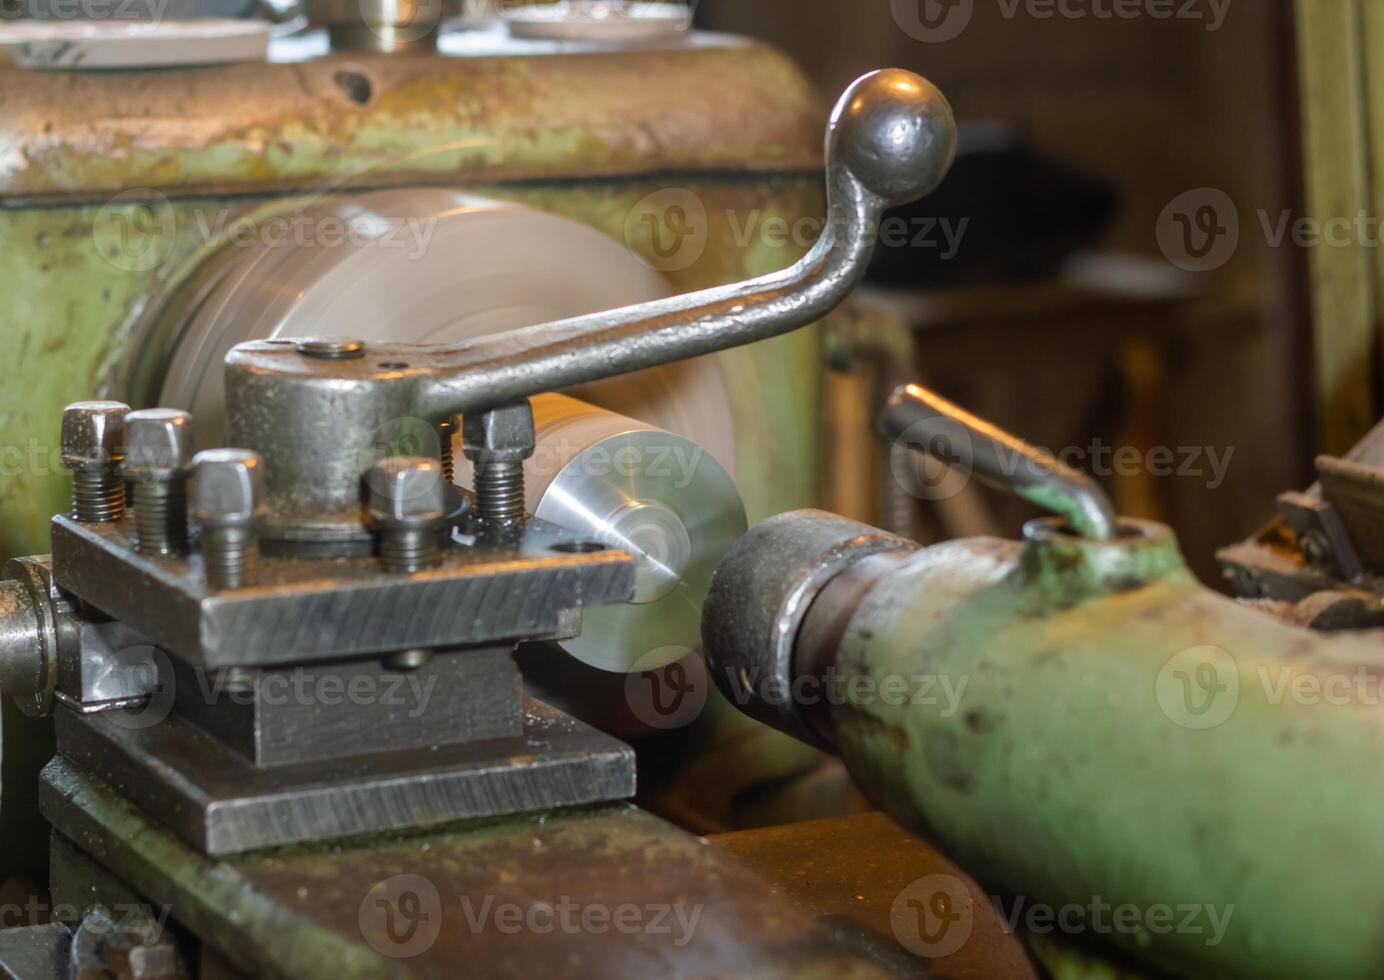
890, 140
928, 422
312, 413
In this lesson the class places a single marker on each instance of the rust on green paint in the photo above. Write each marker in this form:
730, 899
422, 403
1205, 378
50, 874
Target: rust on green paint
718, 104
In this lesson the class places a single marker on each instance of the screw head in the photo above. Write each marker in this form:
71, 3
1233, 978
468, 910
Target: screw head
498, 434
93, 434
158, 444
406, 491
331, 348
227, 488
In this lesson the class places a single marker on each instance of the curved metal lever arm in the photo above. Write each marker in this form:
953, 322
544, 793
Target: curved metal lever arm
314, 415
890, 140
929, 423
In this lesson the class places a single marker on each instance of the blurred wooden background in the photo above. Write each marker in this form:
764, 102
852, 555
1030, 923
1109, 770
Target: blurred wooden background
1158, 108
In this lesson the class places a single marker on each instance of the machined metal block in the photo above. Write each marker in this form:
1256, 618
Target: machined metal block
218, 801
115, 666
282, 716
519, 586
34, 952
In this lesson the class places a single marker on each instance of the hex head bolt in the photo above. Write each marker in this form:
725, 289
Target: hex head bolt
406, 504
227, 506
158, 458
498, 441
93, 447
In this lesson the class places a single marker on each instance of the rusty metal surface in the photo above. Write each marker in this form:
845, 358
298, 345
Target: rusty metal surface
323, 911
725, 104
853, 870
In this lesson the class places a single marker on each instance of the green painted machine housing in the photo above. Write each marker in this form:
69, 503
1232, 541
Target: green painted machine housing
1100, 727
92, 158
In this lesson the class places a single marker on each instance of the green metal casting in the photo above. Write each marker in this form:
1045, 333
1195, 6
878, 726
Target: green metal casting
111, 181
1099, 728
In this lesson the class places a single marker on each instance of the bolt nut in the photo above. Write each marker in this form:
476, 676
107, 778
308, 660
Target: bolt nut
227, 488
406, 491
93, 435
498, 435
158, 444
331, 348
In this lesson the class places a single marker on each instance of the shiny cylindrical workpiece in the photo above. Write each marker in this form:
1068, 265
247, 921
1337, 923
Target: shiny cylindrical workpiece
1081, 723
629, 485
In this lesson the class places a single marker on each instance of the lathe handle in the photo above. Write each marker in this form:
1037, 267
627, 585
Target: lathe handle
927, 422
890, 140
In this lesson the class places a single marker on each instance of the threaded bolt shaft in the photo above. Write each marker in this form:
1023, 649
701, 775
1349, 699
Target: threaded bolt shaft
98, 496
227, 505
161, 516
407, 549
446, 431
231, 556
500, 491
93, 448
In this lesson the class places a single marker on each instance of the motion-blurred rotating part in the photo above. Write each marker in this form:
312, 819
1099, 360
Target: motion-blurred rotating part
416, 265
660, 496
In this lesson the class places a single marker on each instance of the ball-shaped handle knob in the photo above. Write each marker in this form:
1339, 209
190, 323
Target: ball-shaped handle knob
895, 132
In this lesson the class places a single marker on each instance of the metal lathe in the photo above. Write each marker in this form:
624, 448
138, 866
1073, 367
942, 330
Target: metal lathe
392, 354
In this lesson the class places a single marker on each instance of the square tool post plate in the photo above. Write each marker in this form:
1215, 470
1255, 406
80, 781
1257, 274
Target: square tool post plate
301, 610
220, 803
